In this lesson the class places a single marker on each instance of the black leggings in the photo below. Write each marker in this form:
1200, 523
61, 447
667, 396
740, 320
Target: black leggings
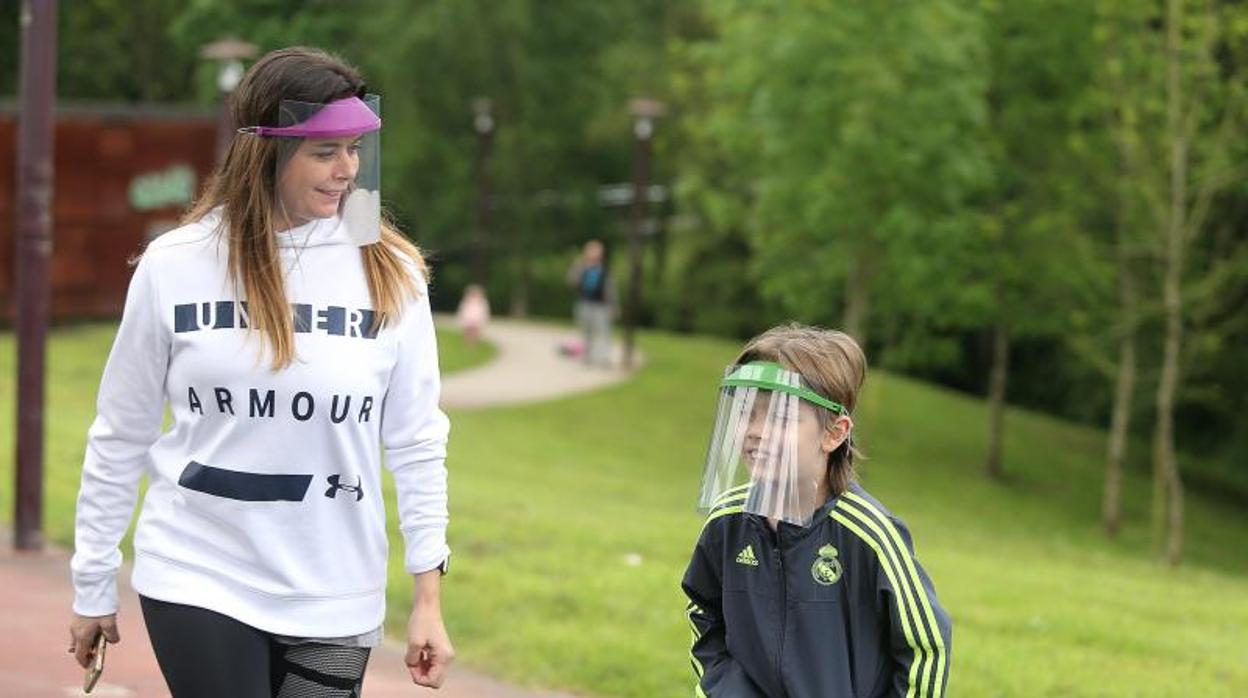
205, 654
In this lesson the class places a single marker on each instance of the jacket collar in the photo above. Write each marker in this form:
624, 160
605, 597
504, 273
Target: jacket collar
792, 533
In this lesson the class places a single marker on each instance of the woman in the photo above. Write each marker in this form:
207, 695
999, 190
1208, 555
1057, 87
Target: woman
595, 302
290, 334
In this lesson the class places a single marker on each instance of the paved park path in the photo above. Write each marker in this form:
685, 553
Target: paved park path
527, 368
35, 591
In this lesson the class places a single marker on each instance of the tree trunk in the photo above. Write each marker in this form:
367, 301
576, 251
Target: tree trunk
1120, 423
519, 307
1120, 427
520, 290
857, 298
996, 396
1174, 542
1168, 487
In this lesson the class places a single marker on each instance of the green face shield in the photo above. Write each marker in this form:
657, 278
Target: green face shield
767, 452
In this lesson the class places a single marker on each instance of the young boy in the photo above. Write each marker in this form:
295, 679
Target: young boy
803, 585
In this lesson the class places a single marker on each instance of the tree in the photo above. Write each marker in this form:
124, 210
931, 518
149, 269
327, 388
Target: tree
114, 50
1041, 64
1178, 124
1127, 58
559, 77
845, 146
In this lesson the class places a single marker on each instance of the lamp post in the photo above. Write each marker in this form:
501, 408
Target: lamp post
37, 95
229, 53
483, 123
645, 112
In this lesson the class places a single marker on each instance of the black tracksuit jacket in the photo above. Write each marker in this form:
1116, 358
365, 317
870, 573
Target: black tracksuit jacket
838, 609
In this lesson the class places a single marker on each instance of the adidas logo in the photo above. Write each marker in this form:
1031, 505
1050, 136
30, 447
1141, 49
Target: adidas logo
746, 557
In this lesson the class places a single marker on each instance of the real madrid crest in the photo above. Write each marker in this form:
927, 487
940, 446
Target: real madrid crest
827, 568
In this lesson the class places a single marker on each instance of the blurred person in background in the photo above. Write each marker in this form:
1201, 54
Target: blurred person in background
802, 584
595, 302
473, 314
287, 326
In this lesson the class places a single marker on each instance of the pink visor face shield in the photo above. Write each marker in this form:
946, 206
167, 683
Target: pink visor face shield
347, 128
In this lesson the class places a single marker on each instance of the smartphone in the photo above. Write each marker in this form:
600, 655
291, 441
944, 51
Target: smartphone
97, 664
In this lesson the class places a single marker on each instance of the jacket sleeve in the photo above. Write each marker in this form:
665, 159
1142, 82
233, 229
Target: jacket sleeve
414, 431
129, 410
919, 630
716, 672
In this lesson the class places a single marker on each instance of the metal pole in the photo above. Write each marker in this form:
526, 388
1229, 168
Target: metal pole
643, 129
484, 124
34, 248
228, 53
225, 127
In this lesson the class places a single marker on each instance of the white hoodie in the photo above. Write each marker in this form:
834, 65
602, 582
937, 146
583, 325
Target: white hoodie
265, 500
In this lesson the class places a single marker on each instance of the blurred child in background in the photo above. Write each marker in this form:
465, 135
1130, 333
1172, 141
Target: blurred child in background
473, 314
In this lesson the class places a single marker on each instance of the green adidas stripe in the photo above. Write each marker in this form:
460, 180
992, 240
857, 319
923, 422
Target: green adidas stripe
917, 582
735, 509
902, 610
698, 669
738, 491
697, 666
911, 589
735, 502
924, 651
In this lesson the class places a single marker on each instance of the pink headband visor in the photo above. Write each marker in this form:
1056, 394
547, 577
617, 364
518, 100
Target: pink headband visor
345, 117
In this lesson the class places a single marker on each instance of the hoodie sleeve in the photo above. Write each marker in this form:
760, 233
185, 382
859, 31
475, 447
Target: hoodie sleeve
129, 409
414, 433
920, 633
715, 671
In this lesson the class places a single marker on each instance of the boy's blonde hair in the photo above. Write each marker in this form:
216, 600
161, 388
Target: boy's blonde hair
832, 364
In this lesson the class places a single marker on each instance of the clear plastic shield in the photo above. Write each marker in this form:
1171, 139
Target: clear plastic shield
766, 450
329, 163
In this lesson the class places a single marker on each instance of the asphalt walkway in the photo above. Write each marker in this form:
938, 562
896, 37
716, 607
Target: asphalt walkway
34, 605
527, 368
34, 634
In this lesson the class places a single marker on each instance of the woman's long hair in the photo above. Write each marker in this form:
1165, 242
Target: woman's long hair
244, 185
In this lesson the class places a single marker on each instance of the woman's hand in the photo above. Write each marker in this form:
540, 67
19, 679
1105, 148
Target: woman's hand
82, 633
429, 650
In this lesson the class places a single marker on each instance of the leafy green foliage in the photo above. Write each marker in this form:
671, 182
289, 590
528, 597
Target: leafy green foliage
114, 50
841, 139
937, 165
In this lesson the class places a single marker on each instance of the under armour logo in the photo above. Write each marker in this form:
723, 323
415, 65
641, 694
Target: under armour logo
332, 492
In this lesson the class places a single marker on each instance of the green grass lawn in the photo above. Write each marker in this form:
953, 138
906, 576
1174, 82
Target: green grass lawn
455, 354
548, 502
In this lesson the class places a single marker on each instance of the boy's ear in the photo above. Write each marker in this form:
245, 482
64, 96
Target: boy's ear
836, 433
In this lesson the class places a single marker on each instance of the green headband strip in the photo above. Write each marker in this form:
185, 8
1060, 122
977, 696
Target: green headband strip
769, 375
